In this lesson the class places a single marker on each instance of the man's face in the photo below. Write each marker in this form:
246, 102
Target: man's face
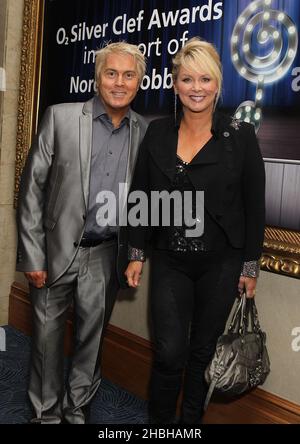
118, 82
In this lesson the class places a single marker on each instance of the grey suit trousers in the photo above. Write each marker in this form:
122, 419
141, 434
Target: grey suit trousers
91, 285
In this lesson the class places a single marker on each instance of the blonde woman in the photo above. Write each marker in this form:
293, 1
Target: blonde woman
196, 279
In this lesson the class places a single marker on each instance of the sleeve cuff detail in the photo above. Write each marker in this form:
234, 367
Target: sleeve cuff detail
136, 254
251, 269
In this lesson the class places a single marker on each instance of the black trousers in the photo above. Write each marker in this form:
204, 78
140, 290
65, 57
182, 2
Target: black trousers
191, 298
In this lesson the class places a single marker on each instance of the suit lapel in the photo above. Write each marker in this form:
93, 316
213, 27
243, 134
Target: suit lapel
134, 140
85, 147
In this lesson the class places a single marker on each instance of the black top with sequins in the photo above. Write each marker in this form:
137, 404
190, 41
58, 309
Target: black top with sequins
213, 237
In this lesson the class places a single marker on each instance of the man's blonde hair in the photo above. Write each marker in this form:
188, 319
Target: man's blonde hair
120, 48
199, 55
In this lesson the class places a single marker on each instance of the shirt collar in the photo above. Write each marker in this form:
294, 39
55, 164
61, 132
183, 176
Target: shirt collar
99, 110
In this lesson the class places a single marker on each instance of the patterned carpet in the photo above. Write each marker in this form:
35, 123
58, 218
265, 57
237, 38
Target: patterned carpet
111, 405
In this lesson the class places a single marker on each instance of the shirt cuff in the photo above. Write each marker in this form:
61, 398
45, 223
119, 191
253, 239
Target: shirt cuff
136, 254
251, 269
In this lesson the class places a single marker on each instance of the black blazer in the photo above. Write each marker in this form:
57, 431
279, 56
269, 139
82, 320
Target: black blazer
230, 172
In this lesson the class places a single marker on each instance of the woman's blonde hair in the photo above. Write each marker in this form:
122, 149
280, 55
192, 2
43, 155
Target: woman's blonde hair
199, 55
120, 48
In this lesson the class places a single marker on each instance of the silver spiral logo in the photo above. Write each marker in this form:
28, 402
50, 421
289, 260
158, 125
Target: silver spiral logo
264, 45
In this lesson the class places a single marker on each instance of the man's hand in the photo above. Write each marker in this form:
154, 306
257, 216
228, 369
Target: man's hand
133, 273
248, 285
36, 278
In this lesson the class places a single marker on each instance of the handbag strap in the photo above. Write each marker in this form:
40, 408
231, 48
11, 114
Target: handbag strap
210, 392
237, 323
253, 316
255, 325
245, 316
219, 370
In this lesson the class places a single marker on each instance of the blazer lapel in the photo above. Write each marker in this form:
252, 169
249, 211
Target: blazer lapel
85, 147
164, 153
210, 154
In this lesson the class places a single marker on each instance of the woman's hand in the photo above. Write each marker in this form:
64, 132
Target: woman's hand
248, 285
133, 273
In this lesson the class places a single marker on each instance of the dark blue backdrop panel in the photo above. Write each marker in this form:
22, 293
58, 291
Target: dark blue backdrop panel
64, 69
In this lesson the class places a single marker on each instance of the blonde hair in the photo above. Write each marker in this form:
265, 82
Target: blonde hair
120, 48
197, 55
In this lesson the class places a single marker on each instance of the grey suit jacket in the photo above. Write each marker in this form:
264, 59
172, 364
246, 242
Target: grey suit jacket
54, 189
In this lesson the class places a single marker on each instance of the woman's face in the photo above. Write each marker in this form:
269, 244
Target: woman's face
196, 89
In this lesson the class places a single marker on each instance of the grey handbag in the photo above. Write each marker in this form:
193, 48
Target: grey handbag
241, 360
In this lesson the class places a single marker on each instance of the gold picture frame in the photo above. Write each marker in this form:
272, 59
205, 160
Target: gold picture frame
281, 246
30, 72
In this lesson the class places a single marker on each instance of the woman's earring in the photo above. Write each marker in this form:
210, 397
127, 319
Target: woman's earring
215, 101
175, 106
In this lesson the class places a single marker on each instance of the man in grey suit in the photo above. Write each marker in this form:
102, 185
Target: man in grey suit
66, 251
